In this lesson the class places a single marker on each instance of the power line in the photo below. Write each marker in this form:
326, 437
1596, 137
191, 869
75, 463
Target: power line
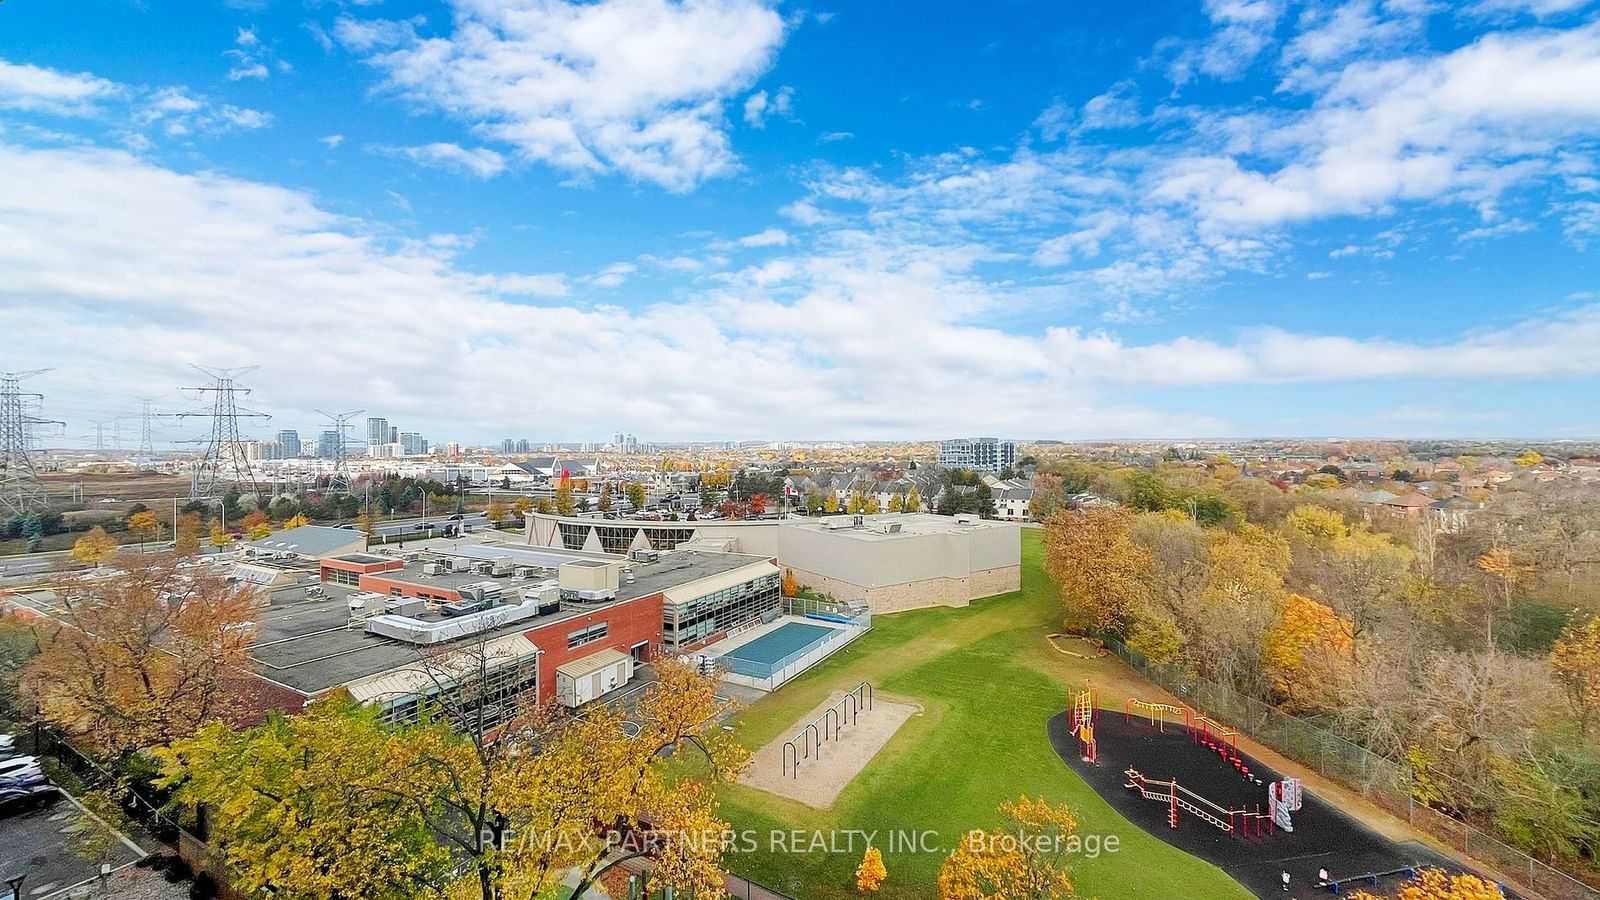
224, 454
20, 490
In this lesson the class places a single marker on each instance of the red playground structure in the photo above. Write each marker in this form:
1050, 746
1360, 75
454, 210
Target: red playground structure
1241, 822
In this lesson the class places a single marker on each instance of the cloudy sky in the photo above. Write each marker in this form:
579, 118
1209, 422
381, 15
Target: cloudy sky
740, 219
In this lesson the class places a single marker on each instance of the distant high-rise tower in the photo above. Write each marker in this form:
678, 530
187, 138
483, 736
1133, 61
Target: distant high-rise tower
289, 444
377, 434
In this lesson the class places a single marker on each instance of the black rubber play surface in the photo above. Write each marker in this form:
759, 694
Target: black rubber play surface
1323, 837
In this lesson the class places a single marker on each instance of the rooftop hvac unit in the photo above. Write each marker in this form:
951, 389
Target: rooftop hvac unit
966, 519
483, 568
434, 568
834, 523
501, 567
889, 527
644, 555
523, 572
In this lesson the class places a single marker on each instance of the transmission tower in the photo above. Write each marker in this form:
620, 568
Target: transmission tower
20, 490
339, 481
224, 456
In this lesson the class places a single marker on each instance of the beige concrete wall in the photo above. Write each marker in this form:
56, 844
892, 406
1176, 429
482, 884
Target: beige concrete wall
940, 591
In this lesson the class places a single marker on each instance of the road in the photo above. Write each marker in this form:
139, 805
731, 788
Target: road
408, 527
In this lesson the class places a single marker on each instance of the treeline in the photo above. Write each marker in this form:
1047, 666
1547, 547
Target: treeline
1471, 655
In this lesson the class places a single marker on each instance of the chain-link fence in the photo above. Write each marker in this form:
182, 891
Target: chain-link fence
1379, 779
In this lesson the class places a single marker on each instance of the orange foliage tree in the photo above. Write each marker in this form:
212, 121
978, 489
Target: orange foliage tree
143, 658
1099, 566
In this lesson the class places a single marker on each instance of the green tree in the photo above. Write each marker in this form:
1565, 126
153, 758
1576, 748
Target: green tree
636, 495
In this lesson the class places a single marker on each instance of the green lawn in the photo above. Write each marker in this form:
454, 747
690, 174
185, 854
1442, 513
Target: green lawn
988, 682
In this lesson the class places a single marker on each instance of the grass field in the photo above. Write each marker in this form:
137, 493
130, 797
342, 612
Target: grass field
988, 682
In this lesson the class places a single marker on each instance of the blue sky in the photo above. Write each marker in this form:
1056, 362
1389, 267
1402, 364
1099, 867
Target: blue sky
739, 219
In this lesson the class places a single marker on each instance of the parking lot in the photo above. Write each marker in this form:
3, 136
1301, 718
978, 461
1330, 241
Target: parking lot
40, 845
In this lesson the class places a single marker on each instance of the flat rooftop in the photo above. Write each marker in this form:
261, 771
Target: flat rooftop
911, 525
307, 645
681, 567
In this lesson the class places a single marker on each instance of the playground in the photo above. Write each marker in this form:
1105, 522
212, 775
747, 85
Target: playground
828, 747
1180, 777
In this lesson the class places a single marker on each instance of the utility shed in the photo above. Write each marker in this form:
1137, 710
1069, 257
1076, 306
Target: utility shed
588, 677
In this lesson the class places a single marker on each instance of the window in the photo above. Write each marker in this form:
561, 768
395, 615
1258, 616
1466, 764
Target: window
587, 635
340, 576
396, 592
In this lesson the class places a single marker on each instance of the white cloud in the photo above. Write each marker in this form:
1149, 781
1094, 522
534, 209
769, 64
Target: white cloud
331, 141
250, 57
1318, 276
758, 106
88, 234
479, 162
768, 237
829, 137
633, 86
613, 275
179, 113
29, 88
1346, 250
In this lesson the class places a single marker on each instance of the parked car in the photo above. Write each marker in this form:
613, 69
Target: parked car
18, 766
17, 800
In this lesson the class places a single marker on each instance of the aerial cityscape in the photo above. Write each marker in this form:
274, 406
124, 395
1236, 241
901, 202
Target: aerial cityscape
652, 449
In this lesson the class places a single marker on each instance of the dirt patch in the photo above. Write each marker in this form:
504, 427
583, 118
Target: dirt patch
821, 776
1082, 648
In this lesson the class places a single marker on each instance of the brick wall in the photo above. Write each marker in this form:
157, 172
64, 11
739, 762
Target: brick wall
628, 623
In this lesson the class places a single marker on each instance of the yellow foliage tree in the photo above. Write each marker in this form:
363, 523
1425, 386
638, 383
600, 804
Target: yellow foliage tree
871, 873
830, 503
1528, 459
1025, 860
299, 520
258, 532
520, 507
145, 525
1306, 653
1436, 884
914, 500
566, 504
1575, 662
790, 586
897, 504
497, 511
220, 536
94, 547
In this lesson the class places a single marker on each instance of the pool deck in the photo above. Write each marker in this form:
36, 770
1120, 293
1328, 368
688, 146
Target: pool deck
831, 644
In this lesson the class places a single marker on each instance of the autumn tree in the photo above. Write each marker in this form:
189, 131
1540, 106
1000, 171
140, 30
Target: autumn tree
636, 495
94, 547
186, 535
496, 512
142, 658
1575, 663
914, 500
1306, 654
1026, 860
548, 796
605, 497
871, 873
790, 586
298, 520
897, 503
758, 504
1098, 566
565, 504
220, 537
144, 524
830, 503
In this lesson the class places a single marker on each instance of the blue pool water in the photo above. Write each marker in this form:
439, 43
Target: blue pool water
775, 649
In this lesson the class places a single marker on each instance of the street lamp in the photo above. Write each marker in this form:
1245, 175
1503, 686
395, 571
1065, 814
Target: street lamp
16, 886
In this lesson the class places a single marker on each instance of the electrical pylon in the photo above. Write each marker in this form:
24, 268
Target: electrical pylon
339, 481
20, 490
224, 455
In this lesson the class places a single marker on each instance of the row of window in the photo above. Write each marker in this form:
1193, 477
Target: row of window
700, 618
340, 576
485, 704
587, 635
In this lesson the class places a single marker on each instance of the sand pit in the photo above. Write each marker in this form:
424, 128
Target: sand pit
821, 777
